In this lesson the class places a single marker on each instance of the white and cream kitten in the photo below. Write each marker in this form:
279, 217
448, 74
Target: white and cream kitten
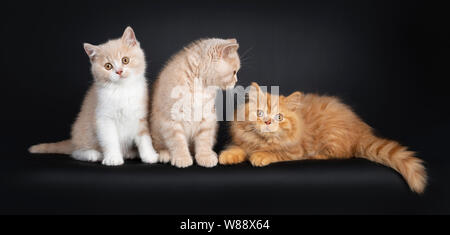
202, 64
113, 116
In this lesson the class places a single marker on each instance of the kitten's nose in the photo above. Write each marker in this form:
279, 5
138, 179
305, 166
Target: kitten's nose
268, 122
119, 72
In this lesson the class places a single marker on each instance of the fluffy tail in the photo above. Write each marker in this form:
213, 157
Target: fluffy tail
392, 154
61, 147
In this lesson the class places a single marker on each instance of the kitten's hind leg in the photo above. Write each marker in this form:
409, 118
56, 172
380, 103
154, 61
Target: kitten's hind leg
87, 155
164, 156
130, 154
232, 155
320, 157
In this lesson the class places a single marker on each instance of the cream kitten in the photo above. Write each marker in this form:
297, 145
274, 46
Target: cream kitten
202, 64
113, 115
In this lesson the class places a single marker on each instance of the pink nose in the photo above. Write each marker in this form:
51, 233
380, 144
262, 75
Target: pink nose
268, 122
119, 72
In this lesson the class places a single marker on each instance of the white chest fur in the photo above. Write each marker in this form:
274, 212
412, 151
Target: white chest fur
124, 103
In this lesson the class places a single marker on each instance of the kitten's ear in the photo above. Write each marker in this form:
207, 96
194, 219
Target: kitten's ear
294, 100
91, 50
129, 37
230, 47
256, 86
232, 40
255, 93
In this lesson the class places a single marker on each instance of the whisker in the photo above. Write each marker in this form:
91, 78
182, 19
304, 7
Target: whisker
246, 51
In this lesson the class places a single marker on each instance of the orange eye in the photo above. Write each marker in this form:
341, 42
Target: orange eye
279, 117
125, 60
108, 66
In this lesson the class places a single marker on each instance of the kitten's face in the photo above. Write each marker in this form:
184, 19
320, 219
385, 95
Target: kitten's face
226, 65
273, 116
117, 60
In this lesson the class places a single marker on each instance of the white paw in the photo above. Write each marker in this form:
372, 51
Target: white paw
151, 157
87, 155
208, 159
93, 156
112, 160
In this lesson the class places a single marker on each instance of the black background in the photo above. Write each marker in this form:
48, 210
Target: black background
386, 59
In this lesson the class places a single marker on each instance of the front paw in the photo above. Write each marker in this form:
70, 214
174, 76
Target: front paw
149, 157
206, 159
228, 157
113, 160
261, 159
182, 161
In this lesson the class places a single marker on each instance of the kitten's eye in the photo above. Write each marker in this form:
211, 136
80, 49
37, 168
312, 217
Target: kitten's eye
260, 113
108, 66
279, 117
234, 72
125, 60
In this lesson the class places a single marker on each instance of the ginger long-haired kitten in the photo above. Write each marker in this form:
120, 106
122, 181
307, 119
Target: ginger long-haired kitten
201, 68
113, 116
313, 127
